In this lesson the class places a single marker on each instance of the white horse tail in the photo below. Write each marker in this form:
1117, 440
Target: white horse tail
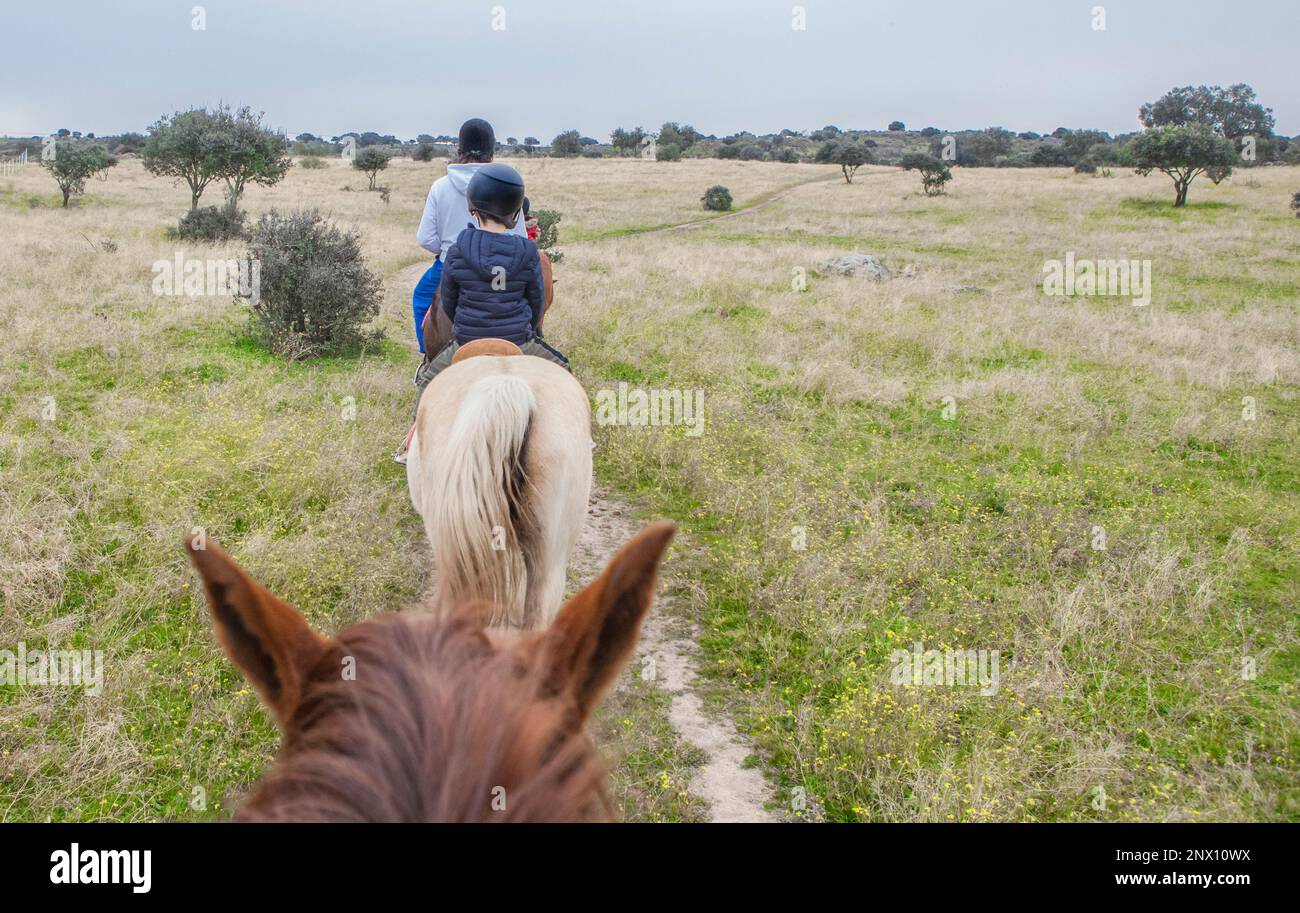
481, 527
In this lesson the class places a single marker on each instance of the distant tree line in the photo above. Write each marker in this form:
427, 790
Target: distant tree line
1232, 112
1189, 131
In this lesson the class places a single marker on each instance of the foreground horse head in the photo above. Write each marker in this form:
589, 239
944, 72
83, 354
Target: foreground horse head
499, 470
430, 717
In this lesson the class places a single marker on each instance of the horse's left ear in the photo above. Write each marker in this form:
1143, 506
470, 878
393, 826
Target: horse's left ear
268, 639
593, 635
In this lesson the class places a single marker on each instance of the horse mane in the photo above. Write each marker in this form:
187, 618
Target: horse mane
437, 725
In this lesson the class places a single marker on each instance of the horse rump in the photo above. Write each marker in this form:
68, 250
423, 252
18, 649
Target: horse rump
482, 530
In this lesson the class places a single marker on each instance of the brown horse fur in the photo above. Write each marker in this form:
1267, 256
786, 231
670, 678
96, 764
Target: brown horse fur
429, 717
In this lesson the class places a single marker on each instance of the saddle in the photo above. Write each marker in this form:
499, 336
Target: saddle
485, 347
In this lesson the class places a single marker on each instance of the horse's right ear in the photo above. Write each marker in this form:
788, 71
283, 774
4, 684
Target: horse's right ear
593, 635
268, 639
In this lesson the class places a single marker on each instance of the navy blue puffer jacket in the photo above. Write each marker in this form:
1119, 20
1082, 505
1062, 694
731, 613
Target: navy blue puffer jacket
492, 287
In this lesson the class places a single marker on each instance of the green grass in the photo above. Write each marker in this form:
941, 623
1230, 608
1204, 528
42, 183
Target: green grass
1125, 662
1121, 665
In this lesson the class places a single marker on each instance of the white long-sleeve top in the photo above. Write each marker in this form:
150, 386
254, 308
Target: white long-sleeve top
446, 211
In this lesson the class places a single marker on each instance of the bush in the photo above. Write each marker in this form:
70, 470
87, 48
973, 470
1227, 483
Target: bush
315, 291
201, 146
1295, 204
982, 149
717, 198
316, 147
548, 233
210, 224
567, 145
371, 161
424, 152
1049, 156
935, 172
1182, 153
850, 156
74, 163
668, 153
751, 152
311, 162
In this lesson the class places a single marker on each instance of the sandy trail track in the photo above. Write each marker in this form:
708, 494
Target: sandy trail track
734, 791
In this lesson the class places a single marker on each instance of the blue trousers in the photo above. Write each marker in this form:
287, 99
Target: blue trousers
422, 299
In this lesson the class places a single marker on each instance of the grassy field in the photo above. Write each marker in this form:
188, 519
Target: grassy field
836, 508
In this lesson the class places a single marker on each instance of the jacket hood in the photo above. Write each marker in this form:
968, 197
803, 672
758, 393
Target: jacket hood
485, 251
458, 175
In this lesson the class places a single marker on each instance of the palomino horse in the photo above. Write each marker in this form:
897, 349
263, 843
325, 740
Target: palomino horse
440, 720
499, 469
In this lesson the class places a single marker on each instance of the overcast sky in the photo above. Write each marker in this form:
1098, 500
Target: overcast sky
422, 66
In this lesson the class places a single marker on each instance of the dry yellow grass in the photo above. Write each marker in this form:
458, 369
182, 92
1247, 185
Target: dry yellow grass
822, 412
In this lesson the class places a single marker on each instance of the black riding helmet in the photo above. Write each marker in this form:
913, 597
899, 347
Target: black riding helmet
496, 190
477, 141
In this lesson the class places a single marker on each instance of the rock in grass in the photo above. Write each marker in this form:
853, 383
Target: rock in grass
864, 265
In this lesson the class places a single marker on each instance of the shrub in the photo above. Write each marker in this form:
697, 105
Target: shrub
315, 291
627, 142
182, 146
1048, 156
717, 198
567, 145
200, 146
1079, 143
1295, 204
210, 224
74, 163
548, 233
126, 143
1011, 161
982, 149
1216, 173
849, 156
674, 134
668, 153
935, 172
1232, 112
1182, 153
315, 147
248, 152
423, 152
751, 152
311, 162
371, 161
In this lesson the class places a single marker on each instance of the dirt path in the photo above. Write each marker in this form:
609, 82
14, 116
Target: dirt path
735, 792
404, 280
721, 217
